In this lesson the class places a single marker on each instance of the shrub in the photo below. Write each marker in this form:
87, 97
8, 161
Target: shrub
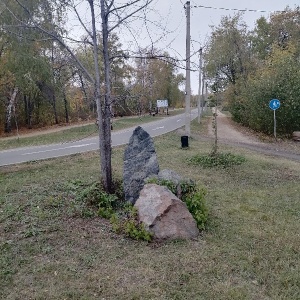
197, 207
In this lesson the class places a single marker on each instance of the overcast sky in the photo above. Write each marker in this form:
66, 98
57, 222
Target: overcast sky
167, 26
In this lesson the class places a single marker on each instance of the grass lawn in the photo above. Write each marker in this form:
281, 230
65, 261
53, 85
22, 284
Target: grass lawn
249, 251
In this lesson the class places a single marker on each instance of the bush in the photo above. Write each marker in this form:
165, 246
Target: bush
197, 207
278, 77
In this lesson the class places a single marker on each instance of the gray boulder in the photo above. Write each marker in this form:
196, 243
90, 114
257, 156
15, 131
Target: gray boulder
140, 162
164, 214
170, 175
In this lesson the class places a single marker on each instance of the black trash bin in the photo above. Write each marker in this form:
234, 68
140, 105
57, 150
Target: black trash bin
184, 141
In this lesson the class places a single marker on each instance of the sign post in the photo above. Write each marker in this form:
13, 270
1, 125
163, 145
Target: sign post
274, 104
162, 103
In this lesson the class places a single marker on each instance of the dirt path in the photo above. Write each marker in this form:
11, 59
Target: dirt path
227, 132
233, 134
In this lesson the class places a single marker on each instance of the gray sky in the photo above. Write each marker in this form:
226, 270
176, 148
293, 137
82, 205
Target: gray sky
166, 28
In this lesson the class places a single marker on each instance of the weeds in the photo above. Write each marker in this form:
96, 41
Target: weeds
89, 200
127, 223
217, 160
193, 196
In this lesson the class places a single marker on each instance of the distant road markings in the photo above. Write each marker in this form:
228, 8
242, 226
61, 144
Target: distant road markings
158, 128
57, 149
119, 137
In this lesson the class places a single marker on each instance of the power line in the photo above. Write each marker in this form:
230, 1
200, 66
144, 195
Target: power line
237, 9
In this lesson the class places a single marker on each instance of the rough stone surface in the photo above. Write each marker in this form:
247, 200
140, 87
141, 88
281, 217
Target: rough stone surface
140, 162
164, 214
170, 175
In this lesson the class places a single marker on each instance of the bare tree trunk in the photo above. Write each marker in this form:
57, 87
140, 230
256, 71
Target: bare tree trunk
103, 114
83, 89
54, 107
107, 99
28, 111
66, 107
9, 109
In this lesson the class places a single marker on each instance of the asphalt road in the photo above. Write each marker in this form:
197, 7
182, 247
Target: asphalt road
120, 137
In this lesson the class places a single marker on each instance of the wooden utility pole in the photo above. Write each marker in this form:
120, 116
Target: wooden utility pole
188, 72
200, 90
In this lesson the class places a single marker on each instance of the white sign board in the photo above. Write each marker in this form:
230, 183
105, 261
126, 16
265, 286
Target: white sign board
162, 103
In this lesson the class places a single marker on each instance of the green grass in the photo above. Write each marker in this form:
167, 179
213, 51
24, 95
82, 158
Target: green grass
77, 133
216, 160
249, 251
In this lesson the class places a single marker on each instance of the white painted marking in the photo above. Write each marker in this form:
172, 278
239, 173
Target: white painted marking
158, 128
57, 149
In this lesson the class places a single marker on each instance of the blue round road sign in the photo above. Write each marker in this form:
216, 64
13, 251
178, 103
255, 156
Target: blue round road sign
274, 104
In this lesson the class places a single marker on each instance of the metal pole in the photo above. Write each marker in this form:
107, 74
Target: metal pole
200, 83
206, 92
275, 124
188, 76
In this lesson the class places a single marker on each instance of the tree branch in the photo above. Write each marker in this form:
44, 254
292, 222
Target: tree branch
82, 24
53, 35
123, 6
130, 15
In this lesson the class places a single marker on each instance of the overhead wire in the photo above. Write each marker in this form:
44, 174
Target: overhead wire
238, 9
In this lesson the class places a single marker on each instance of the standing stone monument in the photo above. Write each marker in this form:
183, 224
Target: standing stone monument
140, 162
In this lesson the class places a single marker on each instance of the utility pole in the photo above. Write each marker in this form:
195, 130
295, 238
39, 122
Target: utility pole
200, 82
202, 93
188, 72
206, 92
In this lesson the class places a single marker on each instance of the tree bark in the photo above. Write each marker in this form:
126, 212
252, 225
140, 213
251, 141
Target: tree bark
28, 111
9, 110
104, 132
66, 107
107, 99
54, 107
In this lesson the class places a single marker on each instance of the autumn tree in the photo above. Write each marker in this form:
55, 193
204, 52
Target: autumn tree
253, 67
38, 16
276, 44
155, 76
227, 53
30, 60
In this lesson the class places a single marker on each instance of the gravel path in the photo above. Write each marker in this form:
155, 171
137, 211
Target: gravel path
233, 134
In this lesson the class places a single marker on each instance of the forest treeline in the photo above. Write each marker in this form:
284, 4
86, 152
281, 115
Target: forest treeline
41, 84
248, 68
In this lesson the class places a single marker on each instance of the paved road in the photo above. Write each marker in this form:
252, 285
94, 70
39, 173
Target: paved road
121, 137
